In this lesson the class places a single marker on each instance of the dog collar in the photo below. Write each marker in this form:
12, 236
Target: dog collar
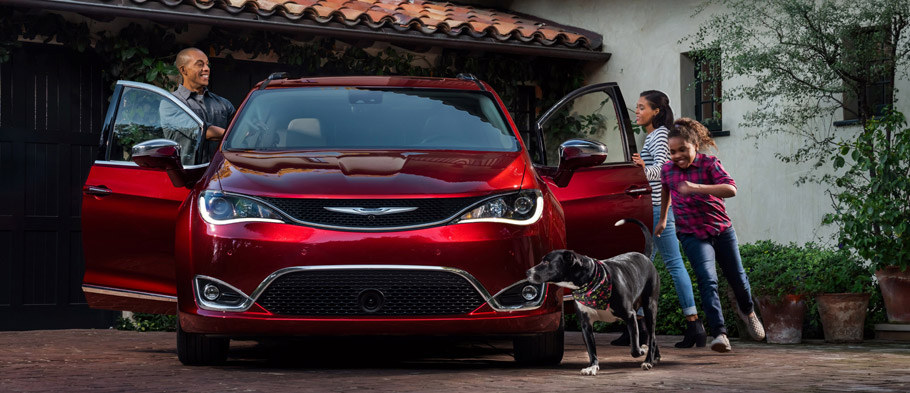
596, 293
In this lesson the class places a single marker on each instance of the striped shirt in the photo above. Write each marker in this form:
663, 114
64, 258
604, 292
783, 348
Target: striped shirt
655, 153
701, 215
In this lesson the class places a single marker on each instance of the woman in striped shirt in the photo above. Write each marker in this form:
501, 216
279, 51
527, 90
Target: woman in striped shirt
653, 113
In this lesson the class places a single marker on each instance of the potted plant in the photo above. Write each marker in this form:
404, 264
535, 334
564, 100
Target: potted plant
842, 286
871, 206
777, 276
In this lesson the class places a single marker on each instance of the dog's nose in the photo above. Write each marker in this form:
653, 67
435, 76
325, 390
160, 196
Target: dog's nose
532, 277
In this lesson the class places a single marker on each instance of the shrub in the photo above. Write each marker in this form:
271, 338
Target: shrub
148, 323
775, 269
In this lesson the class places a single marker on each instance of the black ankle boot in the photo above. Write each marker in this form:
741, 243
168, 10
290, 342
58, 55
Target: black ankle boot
624, 340
695, 335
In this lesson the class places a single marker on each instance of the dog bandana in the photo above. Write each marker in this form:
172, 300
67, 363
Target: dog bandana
595, 294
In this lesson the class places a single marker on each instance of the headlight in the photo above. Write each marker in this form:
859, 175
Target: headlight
521, 208
219, 208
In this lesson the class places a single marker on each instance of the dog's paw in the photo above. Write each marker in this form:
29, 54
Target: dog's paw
638, 352
590, 370
646, 366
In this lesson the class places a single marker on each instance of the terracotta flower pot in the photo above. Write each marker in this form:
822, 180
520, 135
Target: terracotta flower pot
843, 316
895, 286
783, 319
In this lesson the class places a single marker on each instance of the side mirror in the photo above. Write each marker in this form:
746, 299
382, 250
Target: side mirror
577, 153
162, 155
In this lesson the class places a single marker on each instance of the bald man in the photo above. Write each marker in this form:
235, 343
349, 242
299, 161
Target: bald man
215, 111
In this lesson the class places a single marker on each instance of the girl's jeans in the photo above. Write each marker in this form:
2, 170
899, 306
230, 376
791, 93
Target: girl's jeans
702, 254
669, 252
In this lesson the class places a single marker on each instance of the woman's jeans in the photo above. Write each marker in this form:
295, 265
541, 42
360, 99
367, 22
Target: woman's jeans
668, 246
702, 254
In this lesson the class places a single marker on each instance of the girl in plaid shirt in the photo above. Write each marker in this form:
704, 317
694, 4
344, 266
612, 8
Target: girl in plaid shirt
653, 113
697, 184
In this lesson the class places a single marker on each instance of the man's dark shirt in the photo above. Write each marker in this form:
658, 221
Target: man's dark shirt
212, 109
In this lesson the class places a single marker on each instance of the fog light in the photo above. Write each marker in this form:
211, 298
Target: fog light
211, 292
529, 292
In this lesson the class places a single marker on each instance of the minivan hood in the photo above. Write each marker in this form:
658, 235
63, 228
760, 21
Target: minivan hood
373, 174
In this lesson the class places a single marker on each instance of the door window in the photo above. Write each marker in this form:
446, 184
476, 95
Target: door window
143, 115
589, 116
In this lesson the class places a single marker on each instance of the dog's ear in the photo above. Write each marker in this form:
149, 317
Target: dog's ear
573, 257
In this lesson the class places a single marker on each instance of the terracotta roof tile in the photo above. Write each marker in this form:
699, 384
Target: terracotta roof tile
428, 17
479, 26
402, 18
548, 33
350, 13
505, 28
378, 15
323, 11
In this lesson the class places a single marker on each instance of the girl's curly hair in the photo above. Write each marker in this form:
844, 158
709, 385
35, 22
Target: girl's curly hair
693, 132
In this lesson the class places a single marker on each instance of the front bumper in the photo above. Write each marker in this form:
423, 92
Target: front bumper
248, 256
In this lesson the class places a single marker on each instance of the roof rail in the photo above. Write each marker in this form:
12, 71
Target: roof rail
471, 77
273, 76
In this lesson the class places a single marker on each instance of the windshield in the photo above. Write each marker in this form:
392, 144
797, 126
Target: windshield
359, 118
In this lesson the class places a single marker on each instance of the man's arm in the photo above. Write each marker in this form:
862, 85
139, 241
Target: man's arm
214, 132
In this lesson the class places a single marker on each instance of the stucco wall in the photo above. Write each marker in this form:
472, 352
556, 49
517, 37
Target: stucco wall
643, 37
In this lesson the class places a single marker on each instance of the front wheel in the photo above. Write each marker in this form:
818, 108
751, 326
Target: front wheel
545, 349
194, 349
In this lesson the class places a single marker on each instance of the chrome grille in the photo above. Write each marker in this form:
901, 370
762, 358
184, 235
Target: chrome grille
339, 293
429, 211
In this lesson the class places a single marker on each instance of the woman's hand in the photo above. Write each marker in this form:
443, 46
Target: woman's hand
661, 225
637, 160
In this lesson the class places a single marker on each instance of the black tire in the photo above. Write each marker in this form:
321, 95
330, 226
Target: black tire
545, 349
194, 349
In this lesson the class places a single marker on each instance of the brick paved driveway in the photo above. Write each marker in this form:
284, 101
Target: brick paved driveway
114, 361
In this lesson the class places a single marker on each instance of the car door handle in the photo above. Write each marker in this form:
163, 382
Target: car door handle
638, 190
96, 190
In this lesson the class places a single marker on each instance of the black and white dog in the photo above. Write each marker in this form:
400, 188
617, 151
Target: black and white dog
608, 290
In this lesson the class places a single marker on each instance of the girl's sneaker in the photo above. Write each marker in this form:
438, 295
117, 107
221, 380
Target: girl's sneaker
721, 344
756, 330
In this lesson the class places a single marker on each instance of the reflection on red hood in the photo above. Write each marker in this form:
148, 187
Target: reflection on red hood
373, 174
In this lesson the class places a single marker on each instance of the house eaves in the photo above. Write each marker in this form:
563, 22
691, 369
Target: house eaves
402, 22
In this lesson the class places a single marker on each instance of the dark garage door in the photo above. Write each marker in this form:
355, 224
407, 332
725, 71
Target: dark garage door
52, 104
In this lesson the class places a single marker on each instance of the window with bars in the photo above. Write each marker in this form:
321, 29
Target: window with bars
708, 90
878, 72
523, 109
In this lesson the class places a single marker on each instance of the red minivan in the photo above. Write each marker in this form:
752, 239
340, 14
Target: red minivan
354, 206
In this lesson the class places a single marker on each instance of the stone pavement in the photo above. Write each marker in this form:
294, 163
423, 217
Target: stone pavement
116, 361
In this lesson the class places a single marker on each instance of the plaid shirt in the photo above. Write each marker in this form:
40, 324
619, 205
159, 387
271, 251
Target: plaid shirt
701, 215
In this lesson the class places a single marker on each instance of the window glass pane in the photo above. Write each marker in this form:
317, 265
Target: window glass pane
354, 118
591, 116
707, 110
144, 115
